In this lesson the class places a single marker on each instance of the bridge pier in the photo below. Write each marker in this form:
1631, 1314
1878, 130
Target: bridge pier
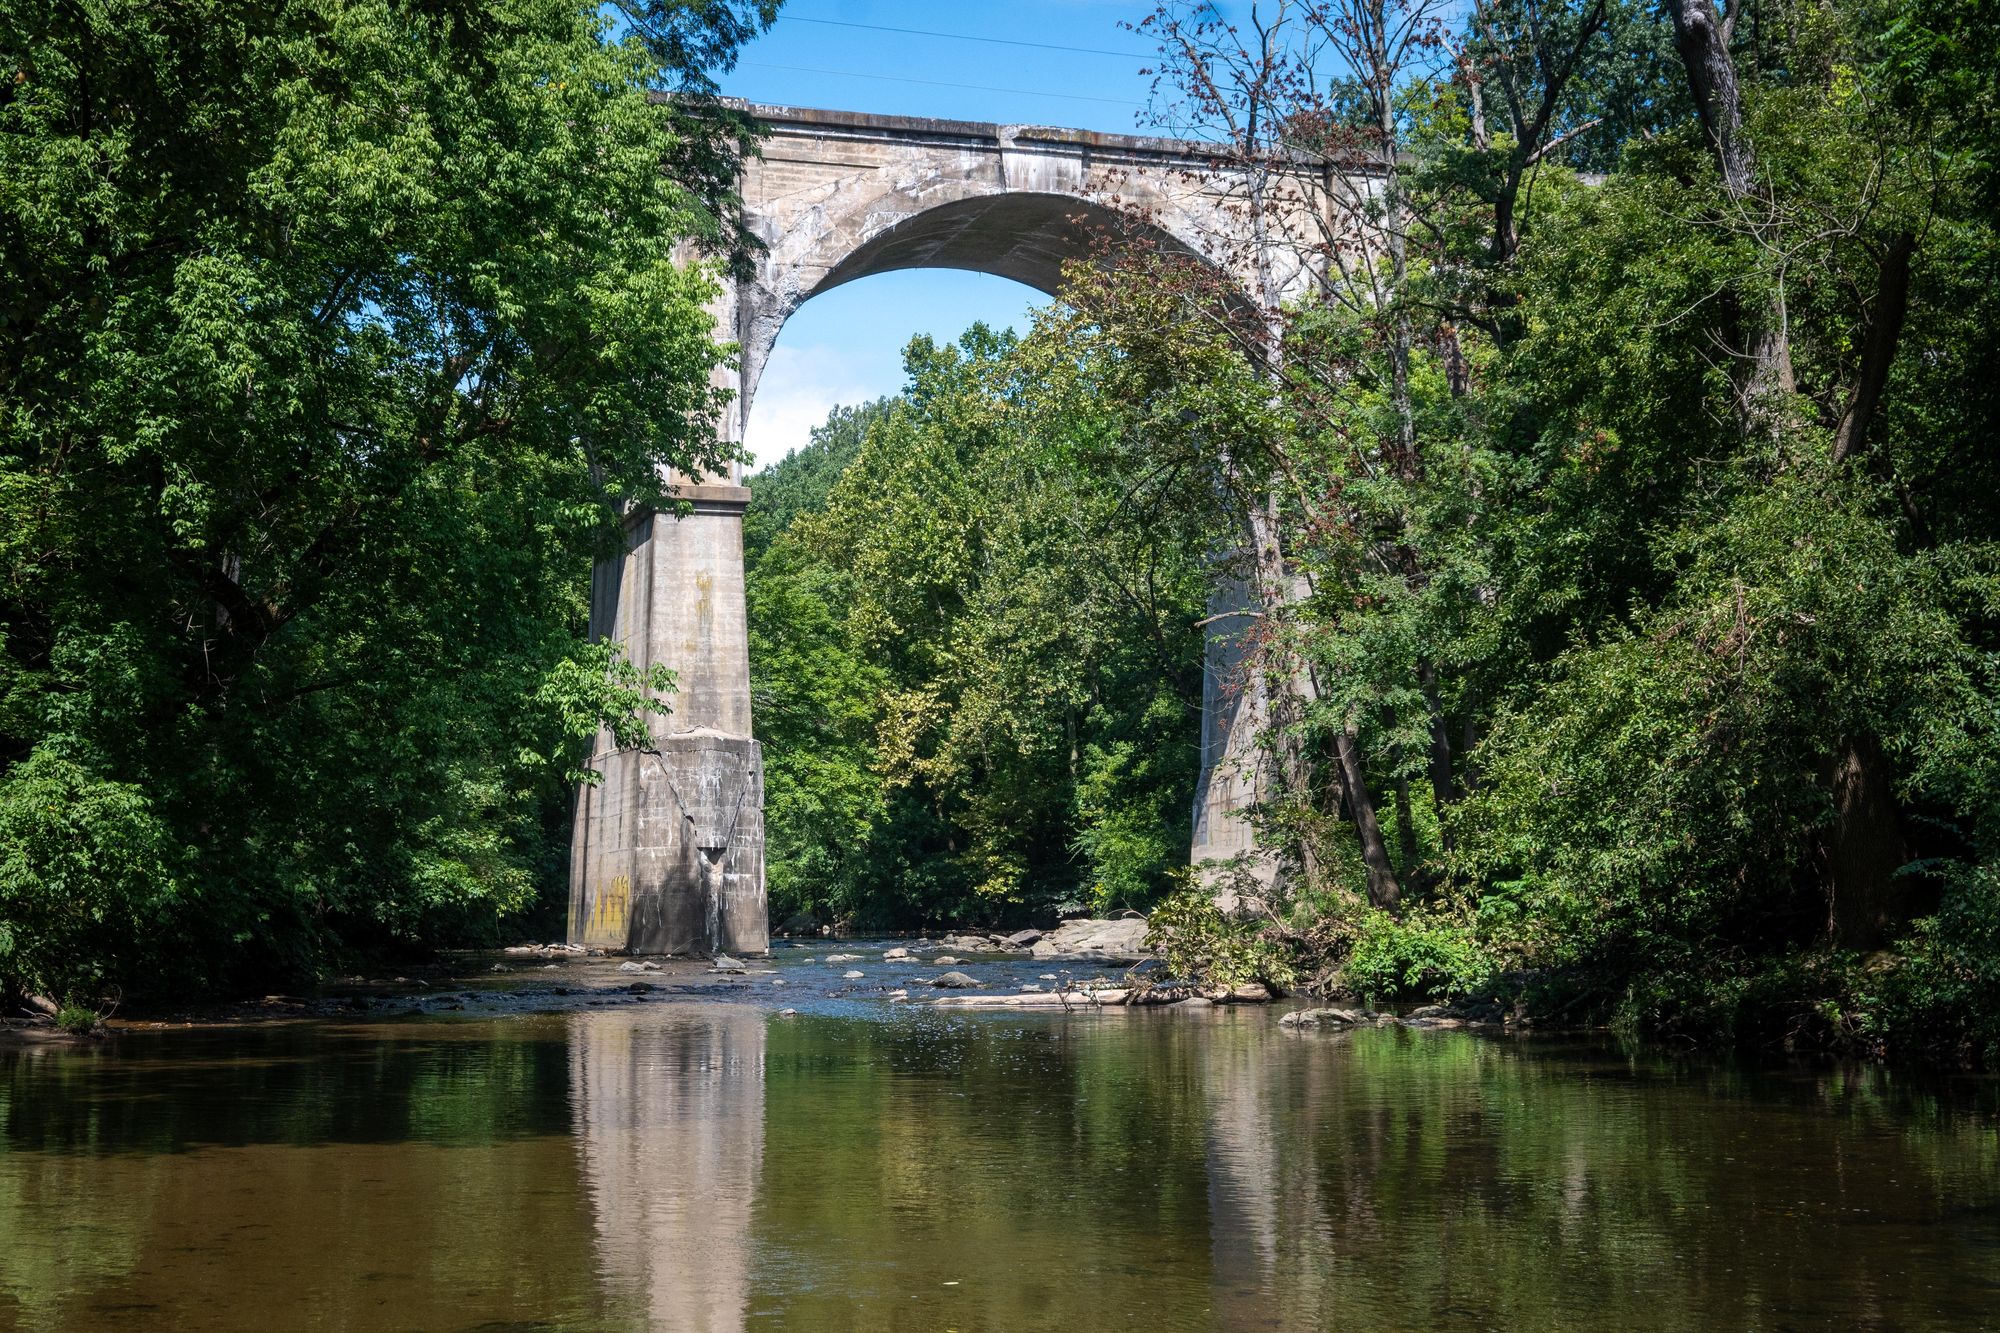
1235, 710
667, 854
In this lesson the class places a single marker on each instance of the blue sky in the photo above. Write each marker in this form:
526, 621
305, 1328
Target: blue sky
846, 346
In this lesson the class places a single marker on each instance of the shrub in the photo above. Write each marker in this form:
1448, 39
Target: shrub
87, 877
77, 1020
1426, 955
1944, 996
1202, 945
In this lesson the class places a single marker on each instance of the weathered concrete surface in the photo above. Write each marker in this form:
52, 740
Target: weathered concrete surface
668, 850
1234, 712
667, 855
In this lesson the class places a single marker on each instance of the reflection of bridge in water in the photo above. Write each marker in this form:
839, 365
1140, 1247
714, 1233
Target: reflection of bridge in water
688, 1167
834, 1174
668, 1110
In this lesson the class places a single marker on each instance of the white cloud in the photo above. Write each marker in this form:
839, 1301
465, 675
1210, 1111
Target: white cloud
802, 384
845, 347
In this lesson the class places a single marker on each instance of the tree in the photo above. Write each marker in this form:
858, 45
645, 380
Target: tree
336, 331
974, 646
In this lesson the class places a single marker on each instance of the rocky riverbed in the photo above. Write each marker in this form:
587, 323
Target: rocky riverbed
1083, 966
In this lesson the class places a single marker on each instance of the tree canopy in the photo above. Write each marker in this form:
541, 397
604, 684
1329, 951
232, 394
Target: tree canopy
333, 334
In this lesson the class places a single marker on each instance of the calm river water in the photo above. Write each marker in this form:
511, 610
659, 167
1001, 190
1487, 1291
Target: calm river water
708, 1163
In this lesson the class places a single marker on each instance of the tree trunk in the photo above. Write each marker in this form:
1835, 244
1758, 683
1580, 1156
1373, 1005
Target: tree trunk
1765, 384
1885, 331
1702, 37
1443, 789
1293, 688
1406, 827
1864, 849
1383, 891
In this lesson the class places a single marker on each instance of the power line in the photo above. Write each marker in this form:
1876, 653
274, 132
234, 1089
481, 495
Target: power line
937, 83
968, 37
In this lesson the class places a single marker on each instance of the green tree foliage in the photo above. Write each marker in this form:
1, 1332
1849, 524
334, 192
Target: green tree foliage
1644, 524
333, 332
977, 677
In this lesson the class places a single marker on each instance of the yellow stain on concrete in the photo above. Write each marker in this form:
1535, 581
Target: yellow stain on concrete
610, 910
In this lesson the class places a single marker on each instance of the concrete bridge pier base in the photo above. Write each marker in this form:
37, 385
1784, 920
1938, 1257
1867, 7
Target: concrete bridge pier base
1235, 711
667, 855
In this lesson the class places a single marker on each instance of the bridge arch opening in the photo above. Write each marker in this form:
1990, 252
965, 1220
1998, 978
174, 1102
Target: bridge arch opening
1023, 236
845, 346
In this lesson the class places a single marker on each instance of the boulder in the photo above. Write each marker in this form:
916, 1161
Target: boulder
944, 960
895, 955
1326, 1018
843, 958
1121, 941
851, 975
953, 981
1021, 939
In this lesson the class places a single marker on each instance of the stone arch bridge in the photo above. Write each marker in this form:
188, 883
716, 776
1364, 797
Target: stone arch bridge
668, 848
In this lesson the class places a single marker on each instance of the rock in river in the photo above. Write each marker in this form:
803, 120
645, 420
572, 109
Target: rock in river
953, 981
1325, 1018
1121, 941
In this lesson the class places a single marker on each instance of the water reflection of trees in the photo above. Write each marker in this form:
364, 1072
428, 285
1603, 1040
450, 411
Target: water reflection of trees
702, 1168
414, 1176
1442, 1180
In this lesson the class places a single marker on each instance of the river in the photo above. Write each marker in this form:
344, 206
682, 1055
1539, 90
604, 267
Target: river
703, 1161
